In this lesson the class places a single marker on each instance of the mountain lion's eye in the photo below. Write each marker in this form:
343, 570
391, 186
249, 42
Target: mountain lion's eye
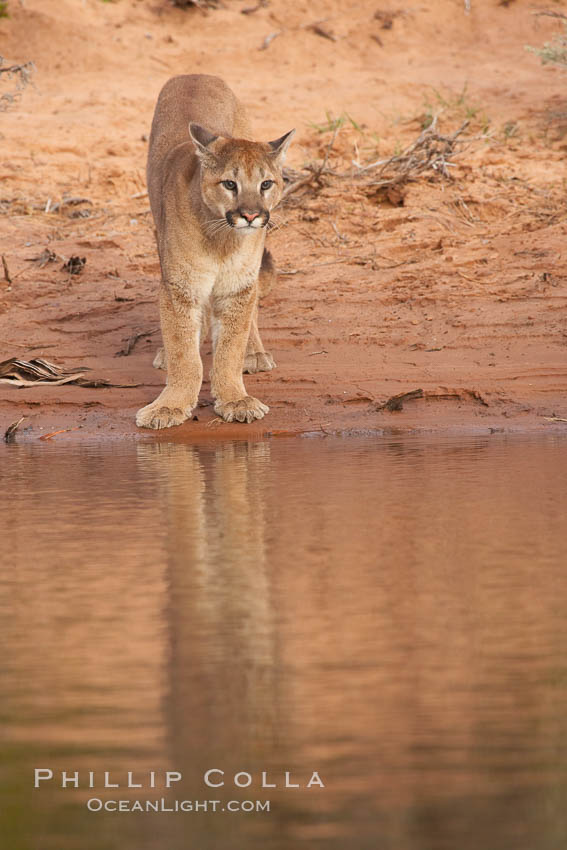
266, 185
229, 184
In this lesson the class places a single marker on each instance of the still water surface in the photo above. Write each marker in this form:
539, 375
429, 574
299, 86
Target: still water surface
390, 613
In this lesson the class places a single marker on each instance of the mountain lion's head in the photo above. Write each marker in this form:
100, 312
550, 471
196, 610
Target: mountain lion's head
241, 181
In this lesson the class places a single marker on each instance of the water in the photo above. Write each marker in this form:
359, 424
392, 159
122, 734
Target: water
390, 613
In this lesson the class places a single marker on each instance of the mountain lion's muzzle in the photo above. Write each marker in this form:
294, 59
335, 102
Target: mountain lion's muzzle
247, 219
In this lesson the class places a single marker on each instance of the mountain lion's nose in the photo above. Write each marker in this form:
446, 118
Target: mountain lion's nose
249, 216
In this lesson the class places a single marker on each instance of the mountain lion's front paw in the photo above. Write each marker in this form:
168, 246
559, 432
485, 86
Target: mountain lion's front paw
258, 361
246, 409
158, 415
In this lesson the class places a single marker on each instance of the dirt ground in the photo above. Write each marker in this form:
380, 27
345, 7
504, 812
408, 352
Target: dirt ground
456, 287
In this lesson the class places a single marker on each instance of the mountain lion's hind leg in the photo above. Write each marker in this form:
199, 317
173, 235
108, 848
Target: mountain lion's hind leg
160, 360
257, 359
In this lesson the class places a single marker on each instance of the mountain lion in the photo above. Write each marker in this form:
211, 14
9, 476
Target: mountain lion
211, 192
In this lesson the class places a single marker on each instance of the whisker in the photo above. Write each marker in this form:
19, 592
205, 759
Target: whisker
213, 225
274, 226
219, 227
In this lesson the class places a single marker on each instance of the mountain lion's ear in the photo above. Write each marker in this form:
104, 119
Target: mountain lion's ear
279, 146
201, 139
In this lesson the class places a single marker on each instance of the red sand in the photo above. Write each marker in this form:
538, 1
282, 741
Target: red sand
460, 292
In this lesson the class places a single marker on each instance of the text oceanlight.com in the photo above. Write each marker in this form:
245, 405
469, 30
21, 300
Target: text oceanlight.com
162, 805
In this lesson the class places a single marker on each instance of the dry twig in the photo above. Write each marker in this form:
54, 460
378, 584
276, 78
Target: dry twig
285, 432
396, 402
249, 10
72, 202
199, 4
46, 437
7, 276
549, 14
131, 342
269, 38
22, 75
430, 152
10, 432
322, 31
315, 172
46, 256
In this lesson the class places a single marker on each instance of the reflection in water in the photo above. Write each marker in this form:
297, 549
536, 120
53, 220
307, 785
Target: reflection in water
388, 613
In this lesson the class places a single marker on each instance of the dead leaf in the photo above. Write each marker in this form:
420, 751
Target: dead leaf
387, 18
23, 373
74, 265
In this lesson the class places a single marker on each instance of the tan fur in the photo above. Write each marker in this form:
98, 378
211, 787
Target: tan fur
210, 241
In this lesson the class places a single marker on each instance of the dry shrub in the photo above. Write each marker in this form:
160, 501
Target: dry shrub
18, 77
554, 51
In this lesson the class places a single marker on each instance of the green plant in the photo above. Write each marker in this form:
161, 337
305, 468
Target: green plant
458, 104
510, 129
365, 142
554, 51
332, 124
426, 119
3, 8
